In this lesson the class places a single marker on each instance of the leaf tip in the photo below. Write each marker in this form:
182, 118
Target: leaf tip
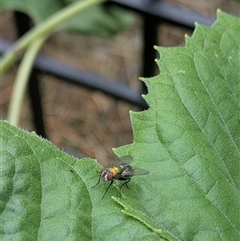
131, 112
196, 24
141, 79
115, 199
186, 36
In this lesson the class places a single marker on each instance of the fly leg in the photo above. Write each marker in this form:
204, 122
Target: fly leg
107, 188
97, 182
127, 180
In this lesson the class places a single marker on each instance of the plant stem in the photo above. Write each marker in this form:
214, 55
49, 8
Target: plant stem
21, 81
43, 29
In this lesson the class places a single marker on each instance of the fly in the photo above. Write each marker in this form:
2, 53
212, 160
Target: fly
120, 170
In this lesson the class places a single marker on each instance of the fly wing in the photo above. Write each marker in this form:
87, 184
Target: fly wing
139, 171
128, 170
133, 171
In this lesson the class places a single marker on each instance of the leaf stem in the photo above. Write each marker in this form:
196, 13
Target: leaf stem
21, 81
43, 29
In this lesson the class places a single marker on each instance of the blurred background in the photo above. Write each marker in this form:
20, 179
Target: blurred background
87, 122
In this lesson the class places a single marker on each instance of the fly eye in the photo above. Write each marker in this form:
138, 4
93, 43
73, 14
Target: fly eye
109, 176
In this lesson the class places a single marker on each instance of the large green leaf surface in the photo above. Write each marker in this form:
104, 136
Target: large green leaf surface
99, 20
47, 195
191, 135
188, 140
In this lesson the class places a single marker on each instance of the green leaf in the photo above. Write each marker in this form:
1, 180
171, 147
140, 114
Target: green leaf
99, 20
188, 140
189, 137
48, 195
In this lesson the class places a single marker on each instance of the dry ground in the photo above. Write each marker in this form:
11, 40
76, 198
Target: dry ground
90, 122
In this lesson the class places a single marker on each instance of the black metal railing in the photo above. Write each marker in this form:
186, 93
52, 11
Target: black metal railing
153, 12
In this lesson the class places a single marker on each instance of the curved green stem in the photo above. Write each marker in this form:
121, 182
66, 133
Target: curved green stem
32, 41
43, 29
21, 81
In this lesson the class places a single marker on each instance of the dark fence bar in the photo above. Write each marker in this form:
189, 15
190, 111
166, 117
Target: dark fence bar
153, 12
